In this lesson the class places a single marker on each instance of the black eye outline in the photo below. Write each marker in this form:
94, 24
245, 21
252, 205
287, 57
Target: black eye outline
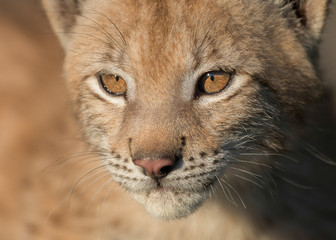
105, 88
200, 84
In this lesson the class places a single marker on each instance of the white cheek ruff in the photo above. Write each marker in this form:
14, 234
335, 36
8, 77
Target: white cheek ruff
237, 83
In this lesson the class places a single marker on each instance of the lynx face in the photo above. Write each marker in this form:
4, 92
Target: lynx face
176, 93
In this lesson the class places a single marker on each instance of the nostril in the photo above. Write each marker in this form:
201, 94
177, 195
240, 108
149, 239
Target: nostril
166, 170
156, 167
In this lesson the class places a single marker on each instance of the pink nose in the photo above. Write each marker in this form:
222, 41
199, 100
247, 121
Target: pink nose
155, 167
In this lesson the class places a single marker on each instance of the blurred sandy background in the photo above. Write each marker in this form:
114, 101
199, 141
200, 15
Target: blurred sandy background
34, 111
34, 117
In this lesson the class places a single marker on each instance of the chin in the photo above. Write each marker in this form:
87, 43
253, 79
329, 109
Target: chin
169, 204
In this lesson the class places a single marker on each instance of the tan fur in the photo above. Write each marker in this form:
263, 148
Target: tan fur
233, 141
161, 48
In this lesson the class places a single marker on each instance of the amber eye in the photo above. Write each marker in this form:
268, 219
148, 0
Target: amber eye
113, 84
214, 82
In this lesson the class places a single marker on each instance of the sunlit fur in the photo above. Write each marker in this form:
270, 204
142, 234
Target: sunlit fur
228, 145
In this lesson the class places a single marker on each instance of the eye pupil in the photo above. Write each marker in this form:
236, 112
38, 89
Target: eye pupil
212, 77
117, 78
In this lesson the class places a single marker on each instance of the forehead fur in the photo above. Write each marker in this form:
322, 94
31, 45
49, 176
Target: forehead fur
226, 31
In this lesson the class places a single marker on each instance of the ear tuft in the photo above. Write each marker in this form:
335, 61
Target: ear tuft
62, 15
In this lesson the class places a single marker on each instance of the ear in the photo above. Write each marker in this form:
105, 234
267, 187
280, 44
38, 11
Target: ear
62, 15
311, 14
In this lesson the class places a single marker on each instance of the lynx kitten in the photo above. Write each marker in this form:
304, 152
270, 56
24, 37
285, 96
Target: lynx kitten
200, 101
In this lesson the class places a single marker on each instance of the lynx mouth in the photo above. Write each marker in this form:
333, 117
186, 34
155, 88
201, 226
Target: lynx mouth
169, 203
174, 196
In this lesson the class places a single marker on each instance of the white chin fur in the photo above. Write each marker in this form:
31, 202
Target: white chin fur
168, 205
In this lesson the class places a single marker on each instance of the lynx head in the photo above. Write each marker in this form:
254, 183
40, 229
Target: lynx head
175, 93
